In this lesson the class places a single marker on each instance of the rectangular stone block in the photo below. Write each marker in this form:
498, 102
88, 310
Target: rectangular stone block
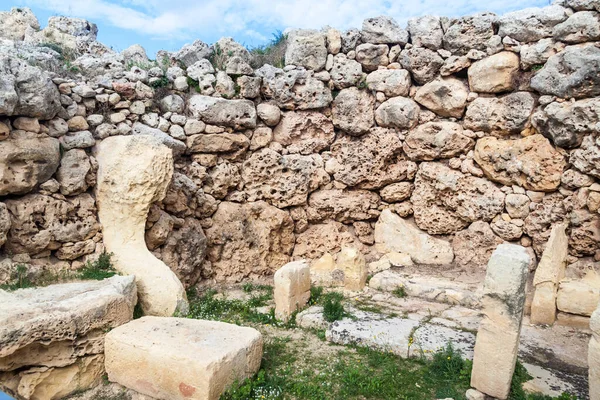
292, 288
179, 358
577, 297
497, 340
352, 262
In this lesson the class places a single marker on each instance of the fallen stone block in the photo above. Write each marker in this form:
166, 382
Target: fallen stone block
292, 288
178, 358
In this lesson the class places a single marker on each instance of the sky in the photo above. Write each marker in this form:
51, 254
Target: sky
169, 24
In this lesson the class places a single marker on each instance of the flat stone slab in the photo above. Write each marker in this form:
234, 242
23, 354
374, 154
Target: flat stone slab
179, 358
429, 338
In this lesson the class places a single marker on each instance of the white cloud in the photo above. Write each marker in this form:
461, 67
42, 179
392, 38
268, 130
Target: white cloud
255, 19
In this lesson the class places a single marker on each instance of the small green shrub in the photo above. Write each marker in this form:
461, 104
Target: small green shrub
160, 82
98, 270
19, 278
333, 309
272, 53
194, 84
315, 295
399, 292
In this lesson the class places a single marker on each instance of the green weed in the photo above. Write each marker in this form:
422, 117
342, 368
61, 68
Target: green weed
333, 309
399, 292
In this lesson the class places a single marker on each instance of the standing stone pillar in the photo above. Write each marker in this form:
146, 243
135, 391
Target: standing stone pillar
498, 336
352, 262
594, 356
548, 275
292, 288
133, 173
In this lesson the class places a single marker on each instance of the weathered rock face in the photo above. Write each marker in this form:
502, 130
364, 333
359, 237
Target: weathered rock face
371, 56
16, 23
134, 172
53, 337
40, 222
531, 24
501, 115
282, 180
352, 111
552, 209
435, 140
391, 82
306, 48
426, 31
371, 161
26, 90
343, 206
494, 74
446, 97
474, 246
587, 158
318, 239
383, 30
304, 132
580, 27
235, 113
446, 201
345, 72
567, 123
74, 168
251, 239
397, 112
468, 33
392, 233
570, 73
530, 162
422, 63
26, 161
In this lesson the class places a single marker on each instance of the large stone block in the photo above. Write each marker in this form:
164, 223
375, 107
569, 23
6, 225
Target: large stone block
594, 356
292, 288
352, 262
578, 297
178, 358
499, 332
548, 274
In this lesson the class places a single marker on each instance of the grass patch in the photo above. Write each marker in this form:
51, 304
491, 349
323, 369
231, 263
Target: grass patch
160, 82
20, 279
399, 292
98, 270
315, 295
333, 309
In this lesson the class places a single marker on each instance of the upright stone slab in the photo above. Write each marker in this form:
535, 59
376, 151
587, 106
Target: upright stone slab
292, 288
548, 274
352, 262
180, 358
594, 356
498, 336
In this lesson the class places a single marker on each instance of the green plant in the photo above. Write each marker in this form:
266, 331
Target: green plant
333, 309
362, 83
537, 67
160, 82
100, 269
272, 53
19, 278
315, 295
399, 292
194, 84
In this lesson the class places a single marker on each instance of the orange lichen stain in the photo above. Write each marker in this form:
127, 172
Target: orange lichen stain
186, 390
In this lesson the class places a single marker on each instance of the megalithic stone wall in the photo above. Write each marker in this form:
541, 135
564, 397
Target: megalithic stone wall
498, 336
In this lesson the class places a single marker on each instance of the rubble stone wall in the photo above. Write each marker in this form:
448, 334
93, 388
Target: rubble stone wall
478, 130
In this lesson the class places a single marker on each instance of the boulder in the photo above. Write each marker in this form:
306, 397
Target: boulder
292, 289
568, 122
570, 73
342, 205
446, 97
423, 64
383, 30
394, 234
268, 113
319, 239
370, 162
203, 358
39, 222
446, 201
396, 192
293, 89
391, 82
192, 53
580, 297
74, 167
16, 23
538, 53
517, 205
304, 132
248, 240
237, 114
530, 162
397, 112
177, 146
77, 140
226, 48
435, 140
144, 167
426, 31
471, 32
473, 246
580, 27
217, 143
344, 72
371, 56
494, 74
508, 114
306, 48
26, 90
53, 337
282, 180
27, 161
544, 213
352, 111
531, 24
587, 158
135, 55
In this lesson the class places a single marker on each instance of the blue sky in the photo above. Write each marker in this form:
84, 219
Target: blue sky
168, 24
4, 396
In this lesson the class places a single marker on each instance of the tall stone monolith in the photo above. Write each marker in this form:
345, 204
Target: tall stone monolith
292, 288
548, 275
498, 336
594, 356
133, 173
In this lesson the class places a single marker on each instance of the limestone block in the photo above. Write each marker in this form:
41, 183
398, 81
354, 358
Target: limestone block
494, 74
323, 272
352, 262
594, 356
499, 332
548, 274
578, 297
292, 288
133, 173
181, 358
